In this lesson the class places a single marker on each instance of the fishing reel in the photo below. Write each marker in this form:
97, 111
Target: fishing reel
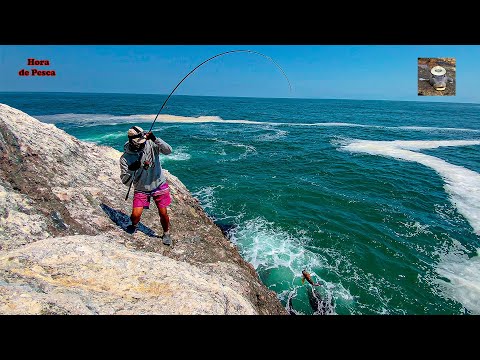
438, 78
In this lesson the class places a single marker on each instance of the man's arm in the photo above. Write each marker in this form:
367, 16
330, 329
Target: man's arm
159, 144
126, 172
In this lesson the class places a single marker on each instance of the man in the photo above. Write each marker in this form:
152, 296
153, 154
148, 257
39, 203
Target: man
140, 163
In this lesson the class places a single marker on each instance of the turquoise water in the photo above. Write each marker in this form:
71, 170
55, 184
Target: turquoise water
378, 200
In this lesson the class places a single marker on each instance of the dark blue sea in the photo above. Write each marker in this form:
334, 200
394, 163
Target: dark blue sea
378, 200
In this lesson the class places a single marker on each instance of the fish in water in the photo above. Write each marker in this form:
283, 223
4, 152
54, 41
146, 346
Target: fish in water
319, 305
306, 276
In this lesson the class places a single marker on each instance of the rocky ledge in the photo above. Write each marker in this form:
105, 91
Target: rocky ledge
64, 248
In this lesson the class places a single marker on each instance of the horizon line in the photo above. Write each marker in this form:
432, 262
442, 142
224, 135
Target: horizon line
224, 96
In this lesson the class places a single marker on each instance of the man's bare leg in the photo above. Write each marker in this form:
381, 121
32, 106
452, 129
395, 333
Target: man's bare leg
165, 221
136, 215
135, 218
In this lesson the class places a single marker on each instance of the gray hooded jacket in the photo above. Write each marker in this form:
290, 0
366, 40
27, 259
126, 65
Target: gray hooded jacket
153, 177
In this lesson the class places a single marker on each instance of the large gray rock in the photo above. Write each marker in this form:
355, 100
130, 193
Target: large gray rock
97, 275
63, 248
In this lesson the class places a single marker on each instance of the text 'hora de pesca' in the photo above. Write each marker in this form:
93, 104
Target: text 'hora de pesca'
37, 72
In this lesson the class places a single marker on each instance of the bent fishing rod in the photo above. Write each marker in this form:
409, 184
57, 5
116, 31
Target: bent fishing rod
195, 68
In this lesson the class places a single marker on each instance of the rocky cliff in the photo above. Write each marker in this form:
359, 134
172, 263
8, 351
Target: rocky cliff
64, 249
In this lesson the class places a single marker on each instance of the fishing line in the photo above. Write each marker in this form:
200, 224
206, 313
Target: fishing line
191, 72
213, 57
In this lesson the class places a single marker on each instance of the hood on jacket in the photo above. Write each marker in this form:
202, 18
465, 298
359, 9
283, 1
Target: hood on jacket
128, 150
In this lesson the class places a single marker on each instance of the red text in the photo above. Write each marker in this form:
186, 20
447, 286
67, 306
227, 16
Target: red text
32, 62
36, 72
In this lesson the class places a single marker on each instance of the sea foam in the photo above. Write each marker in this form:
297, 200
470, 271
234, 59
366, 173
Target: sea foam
108, 119
463, 274
463, 185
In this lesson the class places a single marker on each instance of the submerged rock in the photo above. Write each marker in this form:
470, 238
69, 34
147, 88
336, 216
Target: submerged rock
64, 248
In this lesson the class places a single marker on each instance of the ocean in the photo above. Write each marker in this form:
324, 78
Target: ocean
378, 200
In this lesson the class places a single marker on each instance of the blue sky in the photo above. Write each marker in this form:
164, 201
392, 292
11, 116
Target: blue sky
383, 72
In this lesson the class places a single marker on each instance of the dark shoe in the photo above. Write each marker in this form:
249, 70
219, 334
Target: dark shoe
167, 240
131, 229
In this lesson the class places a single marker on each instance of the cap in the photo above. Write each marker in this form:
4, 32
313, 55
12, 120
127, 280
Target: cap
136, 135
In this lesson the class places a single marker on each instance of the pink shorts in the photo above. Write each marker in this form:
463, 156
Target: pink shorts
161, 196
